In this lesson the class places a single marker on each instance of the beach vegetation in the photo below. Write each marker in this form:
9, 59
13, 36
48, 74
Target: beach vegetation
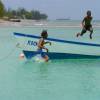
20, 13
2, 9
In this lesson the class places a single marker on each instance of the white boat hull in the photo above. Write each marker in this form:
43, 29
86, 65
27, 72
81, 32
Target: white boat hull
60, 49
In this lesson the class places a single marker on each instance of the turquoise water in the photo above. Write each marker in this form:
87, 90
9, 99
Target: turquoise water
69, 79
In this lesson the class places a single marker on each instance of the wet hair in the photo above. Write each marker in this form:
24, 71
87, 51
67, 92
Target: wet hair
88, 13
44, 34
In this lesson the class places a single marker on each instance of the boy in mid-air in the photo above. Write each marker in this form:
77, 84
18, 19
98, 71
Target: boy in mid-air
41, 44
86, 24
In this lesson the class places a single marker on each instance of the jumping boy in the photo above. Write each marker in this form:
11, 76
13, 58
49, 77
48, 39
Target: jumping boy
86, 24
41, 44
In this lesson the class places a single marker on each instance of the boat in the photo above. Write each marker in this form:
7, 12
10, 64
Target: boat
14, 20
60, 49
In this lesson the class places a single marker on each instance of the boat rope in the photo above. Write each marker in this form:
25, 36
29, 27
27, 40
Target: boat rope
8, 55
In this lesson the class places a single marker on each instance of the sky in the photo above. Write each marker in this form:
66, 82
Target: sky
55, 9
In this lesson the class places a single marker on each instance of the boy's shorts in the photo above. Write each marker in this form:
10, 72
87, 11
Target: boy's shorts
87, 28
40, 51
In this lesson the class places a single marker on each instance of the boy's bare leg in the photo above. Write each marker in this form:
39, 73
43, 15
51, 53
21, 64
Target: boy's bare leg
46, 58
78, 34
91, 31
91, 35
82, 32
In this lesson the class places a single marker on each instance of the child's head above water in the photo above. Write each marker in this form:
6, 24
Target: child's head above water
44, 34
88, 13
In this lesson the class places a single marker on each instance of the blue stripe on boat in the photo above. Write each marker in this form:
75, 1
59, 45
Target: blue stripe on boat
57, 40
53, 55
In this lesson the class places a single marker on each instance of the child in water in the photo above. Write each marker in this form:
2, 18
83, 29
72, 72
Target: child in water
41, 44
86, 24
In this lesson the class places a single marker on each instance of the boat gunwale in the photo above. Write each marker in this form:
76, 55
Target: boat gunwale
57, 40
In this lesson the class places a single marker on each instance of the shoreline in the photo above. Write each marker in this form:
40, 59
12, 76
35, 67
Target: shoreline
43, 23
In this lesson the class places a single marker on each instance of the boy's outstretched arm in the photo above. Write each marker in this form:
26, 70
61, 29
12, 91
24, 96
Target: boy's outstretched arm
83, 22
48, 42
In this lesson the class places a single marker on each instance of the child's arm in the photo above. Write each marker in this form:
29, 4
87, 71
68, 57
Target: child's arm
83, 22
91, 18
47, 42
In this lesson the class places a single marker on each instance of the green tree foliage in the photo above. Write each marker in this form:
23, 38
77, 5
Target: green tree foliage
24, 14
21, 13
44, 16
2, 9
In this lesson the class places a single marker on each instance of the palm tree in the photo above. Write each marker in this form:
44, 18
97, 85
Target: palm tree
1, 9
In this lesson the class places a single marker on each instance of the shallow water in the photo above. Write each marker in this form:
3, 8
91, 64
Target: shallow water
72, 79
